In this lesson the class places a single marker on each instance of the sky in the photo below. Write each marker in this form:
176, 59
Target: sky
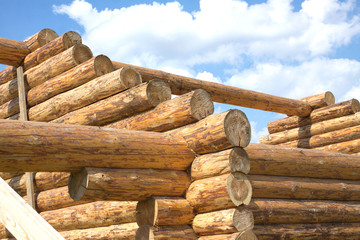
286, 48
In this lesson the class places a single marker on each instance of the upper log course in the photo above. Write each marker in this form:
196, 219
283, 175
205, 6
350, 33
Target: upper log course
56, 46
7, 74
246, 235
146, 232
285, 161
226, 94
39, 147
160, 211
41, 38
217, 132
88, 93
318, 115
126, 184
119, 106
12, 52
215, 164
177, 112
347, 147
320, 100
312, 129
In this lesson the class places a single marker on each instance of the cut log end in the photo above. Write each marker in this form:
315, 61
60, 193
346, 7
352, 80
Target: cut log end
355, 105
239, 189
144, 233
237, 128
46, 35
146, 212
71, 38
201, 104
329, 98
158, 91
102, 65
239, 160
81, 53
243, 219
77, 184
246, 235
130, 77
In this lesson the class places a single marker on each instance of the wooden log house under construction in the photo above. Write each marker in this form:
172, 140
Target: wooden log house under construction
97, 149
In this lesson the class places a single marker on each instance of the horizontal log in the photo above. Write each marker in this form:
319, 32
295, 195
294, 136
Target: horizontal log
318, 115
48, 147
135, 100
217, 132
86, 94
221, 192
165, 232
41, 38
304, 188
215, 164
312, 129
347, 147
320, 100
7, 74
162, 211
126, 184
52, 48
246, 235
224, 221
227, 94
7, 175
273, 211
284, 161
177, 112
12, 52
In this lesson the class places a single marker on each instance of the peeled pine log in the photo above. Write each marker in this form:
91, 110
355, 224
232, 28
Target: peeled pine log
88, 93
284, 161
119, 106
246, 235
224, 221
221, 192
7, 175
264, 186
147, 232
312, 129
348, 147
12, 52
320, 100
126, 184
215, 164
41, 38
48, 147
217, 132
177, 112
90, 215
52, 48
318, 115
7, 74
160, 211
226, 94
271, 211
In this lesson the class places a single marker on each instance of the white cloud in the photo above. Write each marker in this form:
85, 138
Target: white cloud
257, 133
207, 76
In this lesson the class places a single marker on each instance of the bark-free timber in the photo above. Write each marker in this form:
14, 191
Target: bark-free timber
224, 221
312, 129
271, 211
160, 211
126, 184
12, 52
135, 100
39, 147
177, 112
246, 235
41, 38
221, 192
147, 232
320, 100
284, 161
227, 94
347, 147
318, 115
7, 175
88, 93
217, 132
215, 164
7, 74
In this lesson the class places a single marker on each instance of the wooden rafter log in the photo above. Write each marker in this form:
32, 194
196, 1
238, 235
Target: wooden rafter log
320, 100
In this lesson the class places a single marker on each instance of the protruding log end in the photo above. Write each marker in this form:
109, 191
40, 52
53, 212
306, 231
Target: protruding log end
102, 65
355, 105
130, 77
144, 232
81, 53
239, 160
201, 104
41, 38
77, 184
243, 219
246, 235
237, 128
146, 212
239, 189
158, 91
70, 39
329, 98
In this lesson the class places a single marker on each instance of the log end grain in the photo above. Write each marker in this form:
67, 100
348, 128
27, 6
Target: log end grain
243, 219
158, 91
41, 38
77, 184
70, 39
81, 53
201, 104
102, 65
355, 105
237, 128
144, 233
239, 160
246, 235
146, 212
239, 189
329, 98
130, 77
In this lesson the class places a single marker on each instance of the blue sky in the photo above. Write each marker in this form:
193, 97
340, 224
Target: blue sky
287, 48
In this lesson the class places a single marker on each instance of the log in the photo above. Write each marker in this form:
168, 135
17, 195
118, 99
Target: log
312, 129
52, 48
12, 52
347, 147
284, 161
224, 221
7, 74
328, 231
41, 38
86, 94
97, 184
177, 112
318, 115
161, 211
273, 211
165, 232
215, 164
7, 175
48, 147
246, 235
226, 94
320, 100
90, 215
304, 188
217, 132
221, 192
341, 135
119, 106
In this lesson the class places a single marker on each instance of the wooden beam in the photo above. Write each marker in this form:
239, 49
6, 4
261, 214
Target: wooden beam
41, 38
12, 52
